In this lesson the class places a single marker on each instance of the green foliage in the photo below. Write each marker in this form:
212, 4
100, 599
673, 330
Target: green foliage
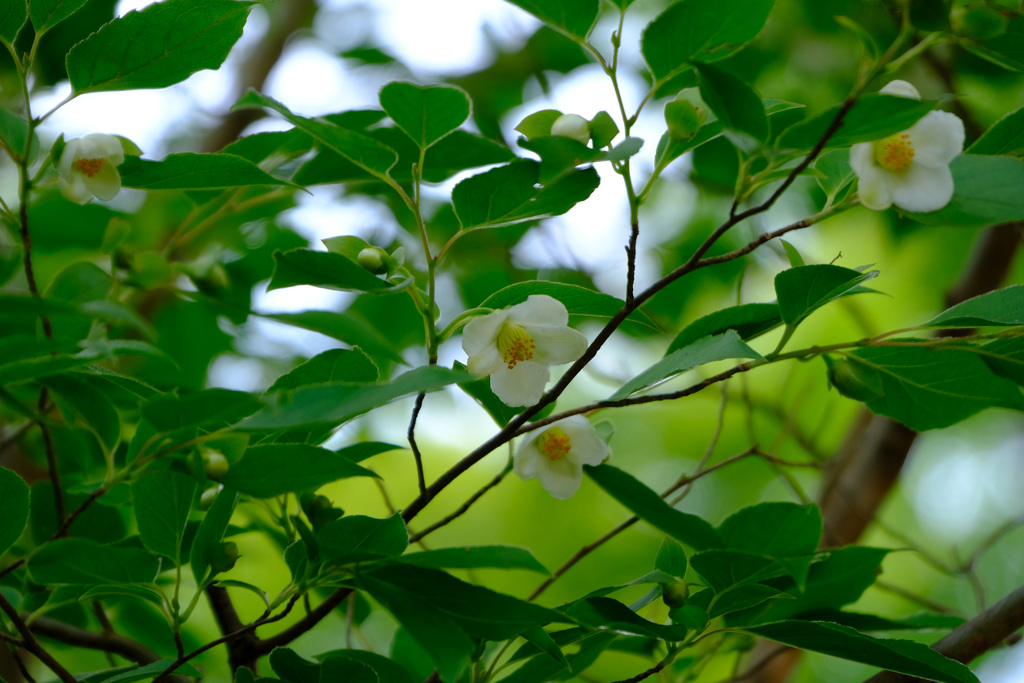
350, 479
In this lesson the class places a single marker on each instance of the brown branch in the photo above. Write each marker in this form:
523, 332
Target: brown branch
415, 538
241, 648
417, 456
30, 644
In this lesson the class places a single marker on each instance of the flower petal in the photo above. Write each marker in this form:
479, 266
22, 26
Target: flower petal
557, 345
482, 331
587, 447
922, 188
938, 138
487, 362
74, 189
105, 184
528, 459
522, 385
561, 478
873, 190
98, 145
901, 89
539, 310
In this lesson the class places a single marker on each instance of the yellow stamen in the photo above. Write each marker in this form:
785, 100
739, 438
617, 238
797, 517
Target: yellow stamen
554, 444
89, 167
515, 344
895, 153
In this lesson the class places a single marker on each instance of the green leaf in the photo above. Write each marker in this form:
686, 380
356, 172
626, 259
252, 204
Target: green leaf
356, 538
545, 668
340, 326
613, 615
929, 388
273, 469
986, 190
13, 132
671, 558
207, 541
574, 17
209, 408
292, 667
335, 365
538, 124
45, 14
348, 670
741, 597
91, 404
507, 195
1005, 49
83, 562
14, 508
338, 402
151, 670
12, 18
476, 557
579, 301
1005, 357
901, 656
733, 101
163, 501
705, 350
158, 46
322, 269
425, 114
34, 368
788, 532
873, 117
189, 171
543, 641
1006, 136
387, 670
1003, 307
360, 149
694, 29
748, 320
560, 154
836, 174
803, 290
649, 506
367, 449
723, 569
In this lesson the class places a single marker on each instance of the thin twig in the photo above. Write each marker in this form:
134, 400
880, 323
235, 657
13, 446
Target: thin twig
654, 669
415, 538
420, 479
32, 645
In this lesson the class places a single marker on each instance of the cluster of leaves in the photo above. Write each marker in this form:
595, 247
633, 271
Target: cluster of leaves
146, 468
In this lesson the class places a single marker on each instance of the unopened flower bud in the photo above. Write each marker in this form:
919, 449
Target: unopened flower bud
675, 594
208, 496
215, 464
372, 259
572, 126
685, 114
854, 379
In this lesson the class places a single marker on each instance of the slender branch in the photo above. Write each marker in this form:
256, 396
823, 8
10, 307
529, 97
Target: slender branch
420, 479
580, 554
239, 648
669, 658
415, 538
32, 645
307, 622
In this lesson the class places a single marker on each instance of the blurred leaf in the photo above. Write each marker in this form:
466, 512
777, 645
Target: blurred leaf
189, 171
873, 117
733, 101
338, 402
48, 13
348, 670
163, 501
1006, 49
705, 350
692, 29
358, 148
507, 195
386, 670
150, 670
356, 538
293, 667
803, 290
14, 508
85, 562
901, 656
649, 506
579, 301
575, 17
426, 114
671, 558
560, 154
1004, 307
930, 15
986, 190
361, 451
1006, 136
207, 541
929, 388
748, 320
90, 404
335, 365
158, 46
322, 269
475, 557
209, 408
273, 469
12, 18
342, 327
13, 131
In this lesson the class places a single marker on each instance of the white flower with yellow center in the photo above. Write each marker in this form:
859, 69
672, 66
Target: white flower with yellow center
909, 169
88, 168
557, 455
515, 347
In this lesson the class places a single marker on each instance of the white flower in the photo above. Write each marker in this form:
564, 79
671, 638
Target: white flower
910, 169
515, 346
572, 126
88, 168
557, 455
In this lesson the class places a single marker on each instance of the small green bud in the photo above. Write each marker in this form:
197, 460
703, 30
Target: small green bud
572, 126
215, 464
224, 559
675, 594
979, 22
208, 496
372, 259
685, 114
854, 379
